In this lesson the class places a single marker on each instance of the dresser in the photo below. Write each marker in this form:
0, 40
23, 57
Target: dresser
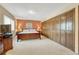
1, 45
5, 43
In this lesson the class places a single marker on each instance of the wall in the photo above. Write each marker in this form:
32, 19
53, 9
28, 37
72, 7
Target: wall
78, 28
61, 29
20, 24
3, 12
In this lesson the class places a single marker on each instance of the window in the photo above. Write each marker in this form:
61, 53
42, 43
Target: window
8, 20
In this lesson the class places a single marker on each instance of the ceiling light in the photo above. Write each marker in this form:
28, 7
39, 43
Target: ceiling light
31, 12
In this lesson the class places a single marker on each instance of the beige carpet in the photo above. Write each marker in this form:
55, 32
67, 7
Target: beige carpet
44, 46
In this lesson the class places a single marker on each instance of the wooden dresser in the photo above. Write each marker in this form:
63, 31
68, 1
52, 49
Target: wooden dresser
6, 42
1, 45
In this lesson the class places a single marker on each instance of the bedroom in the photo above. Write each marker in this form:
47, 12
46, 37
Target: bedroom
40, 29
28, 26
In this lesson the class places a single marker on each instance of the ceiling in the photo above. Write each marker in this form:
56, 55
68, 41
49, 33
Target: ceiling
34, 11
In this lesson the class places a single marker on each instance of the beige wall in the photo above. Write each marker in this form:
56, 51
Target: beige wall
3, 12
76, 30
60, 11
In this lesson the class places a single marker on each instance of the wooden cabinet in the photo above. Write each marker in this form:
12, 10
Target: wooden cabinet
57, 29
7, 44
45, 29
61, 29
1, 45
6, 37
70, 40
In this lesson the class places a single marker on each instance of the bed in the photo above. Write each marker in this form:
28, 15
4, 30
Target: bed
28, 33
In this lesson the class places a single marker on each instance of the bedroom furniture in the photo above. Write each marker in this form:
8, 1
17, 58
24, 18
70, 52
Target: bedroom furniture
6, 42
5, 38
1, 45
1, 48
5, 28
61, 29
28, 34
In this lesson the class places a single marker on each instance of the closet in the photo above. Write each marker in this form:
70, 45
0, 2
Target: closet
61, 29
70, 30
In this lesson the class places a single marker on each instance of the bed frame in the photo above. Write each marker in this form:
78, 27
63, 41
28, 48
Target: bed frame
27, 36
